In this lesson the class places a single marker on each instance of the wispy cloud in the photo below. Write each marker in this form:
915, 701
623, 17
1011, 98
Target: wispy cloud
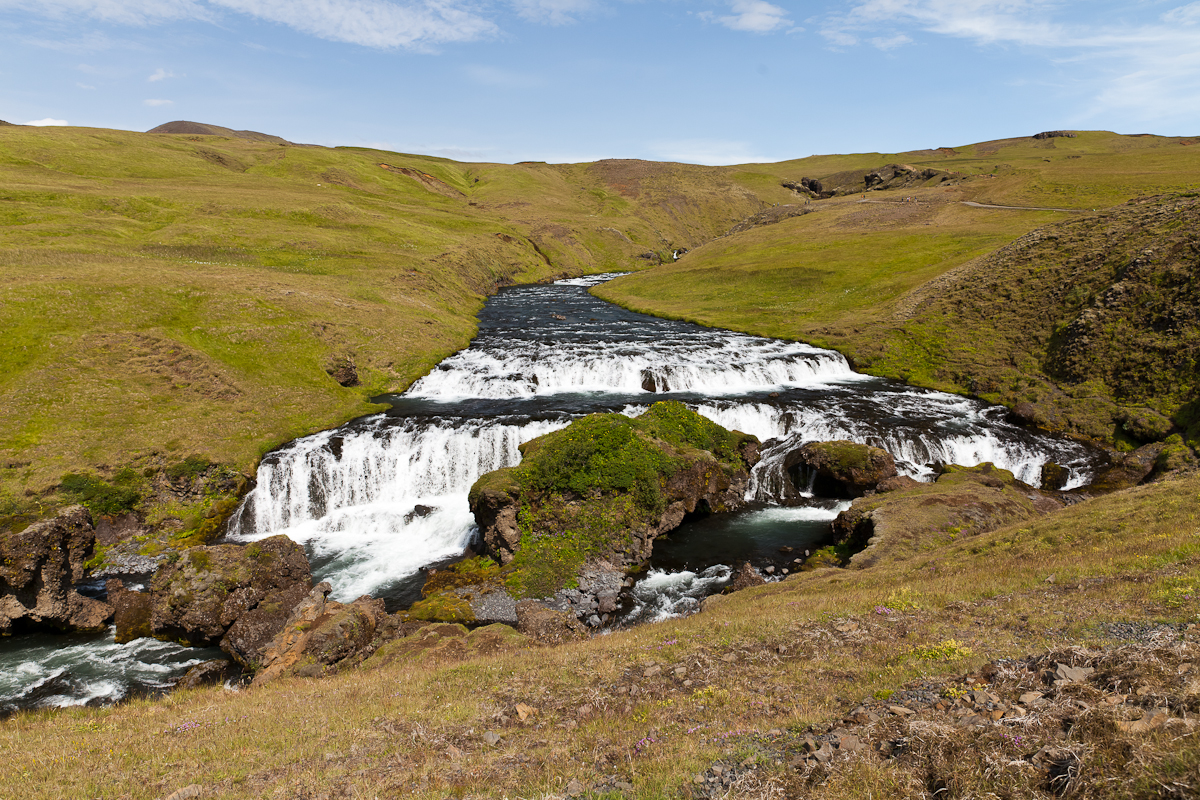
41, 123
755, 16
384, 24
123, 12
552, 12
371, 23
1151, 67
161, 74
712, 152
155, 102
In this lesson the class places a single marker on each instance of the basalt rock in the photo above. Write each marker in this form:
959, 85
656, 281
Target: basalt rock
39, 567
235, 596
322, 636
744, 578
131, 611
207, 674
602, 489
1127, 469
839, 468
548, 625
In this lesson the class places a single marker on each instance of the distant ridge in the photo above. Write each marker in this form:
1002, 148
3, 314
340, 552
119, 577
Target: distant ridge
2, 122
202, 129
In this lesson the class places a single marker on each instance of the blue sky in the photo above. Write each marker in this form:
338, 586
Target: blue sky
713, 82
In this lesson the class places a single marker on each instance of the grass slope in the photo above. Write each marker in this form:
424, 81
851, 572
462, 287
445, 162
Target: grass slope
871, 278
173, 295
739, 684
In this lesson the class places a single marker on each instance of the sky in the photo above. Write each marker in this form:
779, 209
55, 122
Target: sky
708, 82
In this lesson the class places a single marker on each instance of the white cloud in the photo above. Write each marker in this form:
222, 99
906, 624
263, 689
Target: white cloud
382, 24
1150, 68
502, 78
153, 103
890, 42
756, 16
161, 74
552, 12
85, 86
41, 123
124, 12
371, 23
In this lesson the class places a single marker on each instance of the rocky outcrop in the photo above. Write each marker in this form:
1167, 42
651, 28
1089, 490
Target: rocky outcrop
839, 468
131, 611
1054, 135
746, 577
603, 489
322, 635
39, 568
207, 674
1126, 469
237, 597
548, 625
963, 502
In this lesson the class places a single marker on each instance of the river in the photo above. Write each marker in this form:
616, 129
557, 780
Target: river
382, 497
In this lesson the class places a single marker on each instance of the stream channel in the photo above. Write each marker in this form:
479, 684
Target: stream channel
379, 499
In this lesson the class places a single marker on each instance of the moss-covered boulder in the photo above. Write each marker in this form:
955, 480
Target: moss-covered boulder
839, 468
233, 595
602, 489
39, 568
963, 502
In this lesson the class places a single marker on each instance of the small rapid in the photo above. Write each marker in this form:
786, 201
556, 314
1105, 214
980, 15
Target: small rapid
379, 498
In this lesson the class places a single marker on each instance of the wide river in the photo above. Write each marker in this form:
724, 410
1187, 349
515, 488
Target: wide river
382, 497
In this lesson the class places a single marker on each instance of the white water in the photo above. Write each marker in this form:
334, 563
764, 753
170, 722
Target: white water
549, 353
47, 671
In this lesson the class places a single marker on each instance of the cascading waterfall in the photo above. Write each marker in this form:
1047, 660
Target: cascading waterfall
379, 498
376, 500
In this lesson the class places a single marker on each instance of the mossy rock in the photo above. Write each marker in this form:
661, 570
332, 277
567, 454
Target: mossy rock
442, 607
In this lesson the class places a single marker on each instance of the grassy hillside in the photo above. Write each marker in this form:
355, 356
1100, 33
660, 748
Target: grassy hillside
167, 296
734, 691
873, 277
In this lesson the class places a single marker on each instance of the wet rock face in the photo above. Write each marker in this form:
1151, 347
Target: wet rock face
840, 468
238, 597
131, 611
38, 569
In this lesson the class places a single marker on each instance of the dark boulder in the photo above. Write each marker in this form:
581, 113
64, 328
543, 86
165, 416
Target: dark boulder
840, 468
210, 592
131, 611
207, 674
1127, 469
39, 568
1054, 135
744, 578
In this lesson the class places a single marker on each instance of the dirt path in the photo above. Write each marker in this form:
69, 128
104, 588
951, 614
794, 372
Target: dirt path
1021, 208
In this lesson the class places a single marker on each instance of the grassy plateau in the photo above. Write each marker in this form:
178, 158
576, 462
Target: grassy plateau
172, 306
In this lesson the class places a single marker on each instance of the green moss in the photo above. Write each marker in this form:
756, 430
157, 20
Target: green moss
190, 467
471, 571
200, 560
101, 497
442, 608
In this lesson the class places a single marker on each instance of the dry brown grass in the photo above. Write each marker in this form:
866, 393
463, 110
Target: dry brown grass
759, 671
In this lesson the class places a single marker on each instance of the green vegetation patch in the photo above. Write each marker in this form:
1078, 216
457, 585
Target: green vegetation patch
102, 497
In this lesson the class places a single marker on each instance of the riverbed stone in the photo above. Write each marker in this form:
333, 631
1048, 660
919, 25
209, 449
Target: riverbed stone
39, 568
198, 598
131, 611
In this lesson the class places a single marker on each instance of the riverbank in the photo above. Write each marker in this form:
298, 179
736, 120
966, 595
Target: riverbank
737, 688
